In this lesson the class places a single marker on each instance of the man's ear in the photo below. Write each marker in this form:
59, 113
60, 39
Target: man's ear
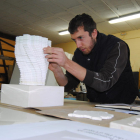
94, 34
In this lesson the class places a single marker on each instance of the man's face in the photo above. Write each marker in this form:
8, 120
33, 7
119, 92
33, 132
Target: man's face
83, 40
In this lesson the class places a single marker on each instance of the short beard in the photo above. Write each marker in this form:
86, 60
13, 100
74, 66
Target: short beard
92, 44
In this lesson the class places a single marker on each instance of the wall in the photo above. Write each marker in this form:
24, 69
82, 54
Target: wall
67, 47
132, 38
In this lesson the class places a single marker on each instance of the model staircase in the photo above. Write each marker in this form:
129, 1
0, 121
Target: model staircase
5, 70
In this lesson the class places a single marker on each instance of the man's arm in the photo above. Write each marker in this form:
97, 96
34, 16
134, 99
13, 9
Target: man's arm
111, 71
58, 73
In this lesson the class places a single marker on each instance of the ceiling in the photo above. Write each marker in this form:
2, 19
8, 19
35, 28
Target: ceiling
47, 17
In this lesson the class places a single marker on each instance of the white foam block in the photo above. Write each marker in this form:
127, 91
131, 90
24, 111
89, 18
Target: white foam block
94, 115
129, 124
32, 96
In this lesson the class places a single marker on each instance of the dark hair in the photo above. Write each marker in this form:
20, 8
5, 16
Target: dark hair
82, 20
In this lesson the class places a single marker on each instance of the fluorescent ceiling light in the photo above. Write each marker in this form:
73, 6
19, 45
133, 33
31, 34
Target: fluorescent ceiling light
125, 18
63, 33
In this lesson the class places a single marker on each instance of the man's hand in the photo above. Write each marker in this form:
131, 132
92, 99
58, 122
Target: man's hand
53, 67
55, 55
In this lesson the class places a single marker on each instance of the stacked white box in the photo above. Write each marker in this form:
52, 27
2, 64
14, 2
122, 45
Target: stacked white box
32, 96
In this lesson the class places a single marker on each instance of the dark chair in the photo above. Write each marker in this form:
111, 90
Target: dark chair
137, 80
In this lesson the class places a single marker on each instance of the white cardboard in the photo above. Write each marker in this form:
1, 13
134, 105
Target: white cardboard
32, 96
129, 124
11, 116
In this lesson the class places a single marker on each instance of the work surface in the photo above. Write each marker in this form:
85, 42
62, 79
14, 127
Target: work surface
12, 114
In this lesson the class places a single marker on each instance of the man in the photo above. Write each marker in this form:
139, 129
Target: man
100, 61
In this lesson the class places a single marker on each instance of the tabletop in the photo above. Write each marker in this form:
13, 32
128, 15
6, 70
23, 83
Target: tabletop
10, 114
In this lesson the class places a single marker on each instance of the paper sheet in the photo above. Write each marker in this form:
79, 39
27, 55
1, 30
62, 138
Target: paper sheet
63, 130
10, 116
120, 110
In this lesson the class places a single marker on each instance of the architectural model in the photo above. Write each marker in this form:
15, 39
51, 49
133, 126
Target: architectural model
31, 60
33, 66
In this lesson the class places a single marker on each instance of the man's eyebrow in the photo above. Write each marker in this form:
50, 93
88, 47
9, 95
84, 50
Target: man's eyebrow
77, 37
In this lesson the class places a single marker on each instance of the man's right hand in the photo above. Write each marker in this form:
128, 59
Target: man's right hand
58, 73
53, 67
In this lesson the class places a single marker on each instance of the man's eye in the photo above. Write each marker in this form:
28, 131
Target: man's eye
80, 37
74, 40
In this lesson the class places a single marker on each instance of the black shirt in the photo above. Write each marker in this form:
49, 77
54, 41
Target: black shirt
109, 76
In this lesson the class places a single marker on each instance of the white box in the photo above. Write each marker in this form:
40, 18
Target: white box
32, 96
129, 124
